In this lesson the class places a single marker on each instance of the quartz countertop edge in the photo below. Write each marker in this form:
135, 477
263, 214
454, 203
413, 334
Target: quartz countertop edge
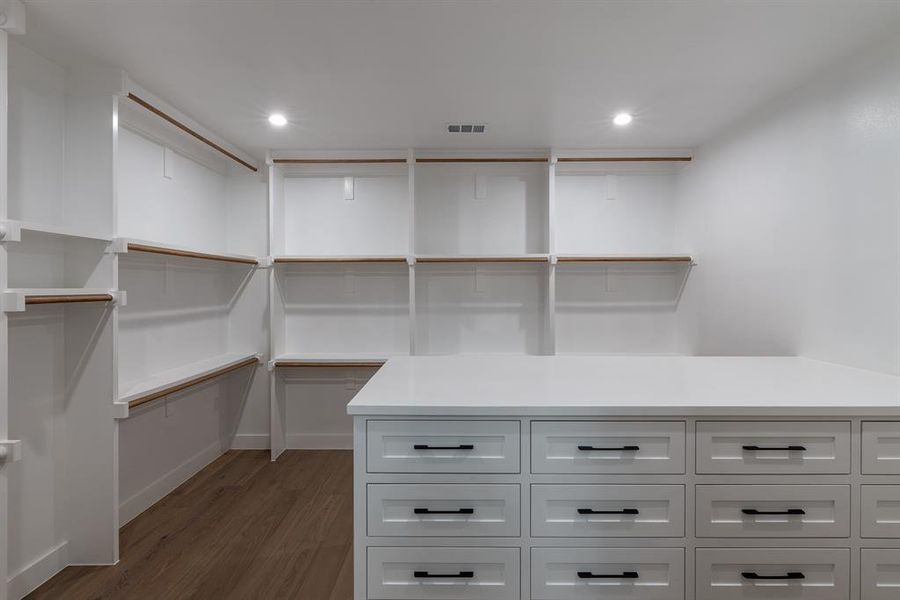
625, 386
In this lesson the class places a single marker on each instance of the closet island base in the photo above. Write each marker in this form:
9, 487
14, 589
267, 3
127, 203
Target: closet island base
557, 477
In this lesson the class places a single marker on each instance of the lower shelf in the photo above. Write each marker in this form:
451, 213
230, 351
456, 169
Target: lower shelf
328, 360
174, 380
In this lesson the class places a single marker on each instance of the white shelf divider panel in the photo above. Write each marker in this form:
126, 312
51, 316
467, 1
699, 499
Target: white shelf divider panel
171, 381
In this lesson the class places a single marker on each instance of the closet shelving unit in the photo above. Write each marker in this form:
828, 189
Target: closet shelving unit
493, 264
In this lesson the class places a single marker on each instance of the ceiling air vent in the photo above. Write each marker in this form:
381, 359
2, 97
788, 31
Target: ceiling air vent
466, 127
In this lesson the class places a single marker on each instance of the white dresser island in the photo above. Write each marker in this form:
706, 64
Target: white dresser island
640, 478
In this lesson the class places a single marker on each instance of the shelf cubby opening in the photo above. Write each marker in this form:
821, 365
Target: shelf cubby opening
481, 308
481, 208
344, 309
46, 260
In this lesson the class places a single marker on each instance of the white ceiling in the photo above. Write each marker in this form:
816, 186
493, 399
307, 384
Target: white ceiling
390, 74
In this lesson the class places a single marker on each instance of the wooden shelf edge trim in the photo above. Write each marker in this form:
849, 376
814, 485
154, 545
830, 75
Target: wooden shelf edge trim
626, 159
337, 161
189, 131
327, 365
482, 259
189, 254
521, 159
67, 298
337, 259
191, 383
620, 259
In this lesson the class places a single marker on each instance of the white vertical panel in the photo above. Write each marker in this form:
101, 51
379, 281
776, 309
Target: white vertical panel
4, 332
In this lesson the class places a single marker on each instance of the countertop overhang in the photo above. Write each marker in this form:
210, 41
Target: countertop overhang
499, 385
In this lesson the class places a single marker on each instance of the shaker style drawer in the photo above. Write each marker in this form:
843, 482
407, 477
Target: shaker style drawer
607, 511
773, 447
607, 573
445, 573
772, 511
881, 447
442, 446
447, 510
773, 574
880, 574
879, 509
607, 447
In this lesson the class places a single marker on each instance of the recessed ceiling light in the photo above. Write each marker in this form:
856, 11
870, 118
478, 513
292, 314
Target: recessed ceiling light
622, 119
278, 120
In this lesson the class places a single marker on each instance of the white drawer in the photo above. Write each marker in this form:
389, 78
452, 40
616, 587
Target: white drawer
773, 511
607, 447
443, 510
608, 573
880, 574
607, 511
880, 512
442, 446
773, 447
445, 573
773, 574
881, 447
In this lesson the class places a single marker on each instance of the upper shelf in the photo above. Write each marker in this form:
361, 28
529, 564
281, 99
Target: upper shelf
130, 245
338, 259
508, 258
621, 258
11, 231
180, 378
327, 360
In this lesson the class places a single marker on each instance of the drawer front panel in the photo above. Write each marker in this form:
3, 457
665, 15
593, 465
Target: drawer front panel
608, 573
880, 574
607, 447
881, 448
607, 510
443, 510
880, 512
773, 511
773, 447
442, 446
773, 574
444, 573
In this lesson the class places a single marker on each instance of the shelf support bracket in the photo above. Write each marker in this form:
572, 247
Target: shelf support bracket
10, 232
10, 451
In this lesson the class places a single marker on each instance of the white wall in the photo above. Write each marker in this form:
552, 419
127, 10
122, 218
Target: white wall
795, 216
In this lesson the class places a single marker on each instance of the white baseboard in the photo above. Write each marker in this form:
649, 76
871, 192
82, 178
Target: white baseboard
39, 571
157, 490
250, 441
319, 441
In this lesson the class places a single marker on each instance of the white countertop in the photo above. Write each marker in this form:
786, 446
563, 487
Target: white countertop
624, 386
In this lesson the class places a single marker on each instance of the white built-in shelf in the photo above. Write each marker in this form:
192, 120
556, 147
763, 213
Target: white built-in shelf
329, 360
133, 245
11, 231
497, 258
17, 299
625, 258
338, 259
174, 380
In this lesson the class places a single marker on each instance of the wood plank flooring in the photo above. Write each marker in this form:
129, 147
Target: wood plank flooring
242, 528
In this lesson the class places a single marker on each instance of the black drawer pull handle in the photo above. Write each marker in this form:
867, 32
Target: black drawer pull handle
460, 575
622, 575
790, 511
428, 511
429, 447
610, 449
624, 511
775, 448
791, 575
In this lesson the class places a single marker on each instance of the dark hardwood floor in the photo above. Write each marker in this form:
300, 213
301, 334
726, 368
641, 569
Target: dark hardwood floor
242, 528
